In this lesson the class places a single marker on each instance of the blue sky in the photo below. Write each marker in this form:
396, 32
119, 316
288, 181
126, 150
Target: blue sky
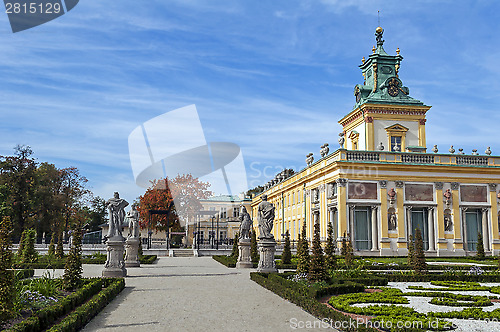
273, 77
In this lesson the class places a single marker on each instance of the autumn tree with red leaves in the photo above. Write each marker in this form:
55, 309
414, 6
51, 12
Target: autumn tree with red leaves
185, 190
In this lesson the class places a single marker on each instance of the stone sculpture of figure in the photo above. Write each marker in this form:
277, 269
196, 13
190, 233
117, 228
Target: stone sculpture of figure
341, 140
447, 196
133, 222
381, 147
265, 215
309, 159
324, 150
452, 150
447, 223
392, 221
116, 206
488, 151
245, 223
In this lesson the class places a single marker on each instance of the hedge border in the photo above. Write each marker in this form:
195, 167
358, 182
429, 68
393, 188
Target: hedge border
83, 314
305, 299
44, 318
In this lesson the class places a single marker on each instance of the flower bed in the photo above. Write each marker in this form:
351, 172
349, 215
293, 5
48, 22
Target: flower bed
99, 290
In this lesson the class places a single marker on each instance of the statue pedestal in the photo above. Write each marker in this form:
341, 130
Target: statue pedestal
115, 265
132, 252
267, 248
244, 258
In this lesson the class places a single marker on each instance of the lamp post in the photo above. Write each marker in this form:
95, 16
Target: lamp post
217, 244
212, 237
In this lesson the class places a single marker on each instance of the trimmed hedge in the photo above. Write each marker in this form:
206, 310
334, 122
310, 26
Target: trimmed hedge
367, 281
407, 277
148, 259
83, 314
228, 261
44, 318
305, 298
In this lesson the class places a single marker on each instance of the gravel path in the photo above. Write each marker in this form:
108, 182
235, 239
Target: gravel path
195, 294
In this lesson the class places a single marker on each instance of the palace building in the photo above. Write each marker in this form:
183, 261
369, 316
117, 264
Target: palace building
382, 184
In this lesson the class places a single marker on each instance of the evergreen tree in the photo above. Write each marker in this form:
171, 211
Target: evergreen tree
59, 247
73, 267
420, 264
254, 253
411, 253
7, 286
349, 254
20, 248
331, 261
317, 268
480, 247
286, 258
29, 253
52, 245
140, 247
343, 248
303, 252
235, 253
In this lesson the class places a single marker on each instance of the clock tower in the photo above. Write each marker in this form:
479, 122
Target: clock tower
384, 116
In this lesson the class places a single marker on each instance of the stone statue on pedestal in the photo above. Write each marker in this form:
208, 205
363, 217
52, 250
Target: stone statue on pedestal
115, 265
267, 245
116, 207
133, 222
245, 223
265, 218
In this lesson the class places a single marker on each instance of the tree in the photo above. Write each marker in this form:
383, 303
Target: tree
331, 261
73, 267
480, 247
59, 247
286, 257
7, 287
411, 252
303, 252
97, 213
17, 178
52, 246
73, 192
254, 253
235, 252
420, 264
317, 268
343, 248
29, 253
181, 196
349, 253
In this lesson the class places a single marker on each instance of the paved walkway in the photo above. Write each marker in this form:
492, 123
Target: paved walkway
195, 294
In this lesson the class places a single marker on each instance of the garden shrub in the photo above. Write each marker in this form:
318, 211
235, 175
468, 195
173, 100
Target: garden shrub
317, 268
286, 258
7, 286
303, 251
73, 267
254, 253
480, 247
29, 253
330, 260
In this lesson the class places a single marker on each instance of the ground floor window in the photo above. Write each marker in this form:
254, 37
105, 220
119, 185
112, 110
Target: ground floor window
362, 228
473, 226
419, 221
